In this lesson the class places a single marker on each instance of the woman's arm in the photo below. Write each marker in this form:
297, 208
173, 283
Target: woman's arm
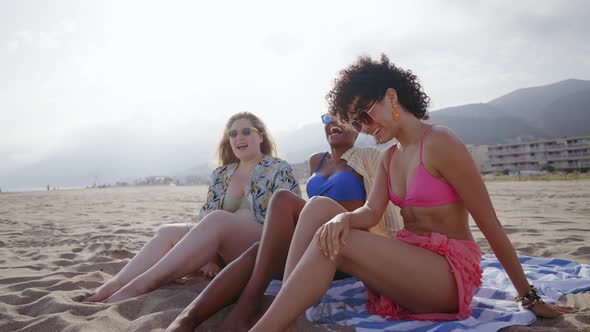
285, 179
452, 160
214, 193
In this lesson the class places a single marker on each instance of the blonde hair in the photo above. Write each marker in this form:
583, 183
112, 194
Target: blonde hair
224, 151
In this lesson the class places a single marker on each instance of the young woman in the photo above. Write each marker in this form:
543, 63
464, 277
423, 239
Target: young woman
430, 271
340, 177
231, 219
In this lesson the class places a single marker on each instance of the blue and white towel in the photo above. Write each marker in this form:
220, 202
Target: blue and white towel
492, 308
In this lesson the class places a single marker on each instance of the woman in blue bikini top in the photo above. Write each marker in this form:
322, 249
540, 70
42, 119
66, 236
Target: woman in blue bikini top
332, 176
332, 179
341, 186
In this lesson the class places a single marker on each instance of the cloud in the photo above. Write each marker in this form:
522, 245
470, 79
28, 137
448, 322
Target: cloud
168, 71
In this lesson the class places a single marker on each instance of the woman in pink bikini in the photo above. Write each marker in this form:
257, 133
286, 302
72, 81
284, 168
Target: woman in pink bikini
430, 271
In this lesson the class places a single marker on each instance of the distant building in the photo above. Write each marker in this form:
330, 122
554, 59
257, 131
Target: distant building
562, 154
155, 181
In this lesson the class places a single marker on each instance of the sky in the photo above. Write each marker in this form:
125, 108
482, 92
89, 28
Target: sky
83, 75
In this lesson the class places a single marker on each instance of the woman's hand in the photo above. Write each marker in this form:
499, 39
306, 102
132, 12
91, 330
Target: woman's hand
548, 310
210, 270
332, 235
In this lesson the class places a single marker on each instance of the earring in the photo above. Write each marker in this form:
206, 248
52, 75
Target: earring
396, 115
395, 105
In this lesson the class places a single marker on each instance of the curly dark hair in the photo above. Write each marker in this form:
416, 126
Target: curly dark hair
369, 80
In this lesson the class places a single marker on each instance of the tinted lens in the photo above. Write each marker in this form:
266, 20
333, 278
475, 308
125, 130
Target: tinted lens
327, 119
246, 131
232, 133
365, 118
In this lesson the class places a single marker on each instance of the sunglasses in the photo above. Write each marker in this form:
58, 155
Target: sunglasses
245, 131
364, 118
327, 119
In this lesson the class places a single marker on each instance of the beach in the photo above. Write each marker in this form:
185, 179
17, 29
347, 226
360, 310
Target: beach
58, 246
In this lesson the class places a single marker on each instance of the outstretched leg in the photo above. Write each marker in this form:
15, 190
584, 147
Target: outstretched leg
415, 278
281, 218
220, 232
166, 238
221, 291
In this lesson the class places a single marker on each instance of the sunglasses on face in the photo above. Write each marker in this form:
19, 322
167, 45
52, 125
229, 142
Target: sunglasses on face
245, 131
327, 119
364, 118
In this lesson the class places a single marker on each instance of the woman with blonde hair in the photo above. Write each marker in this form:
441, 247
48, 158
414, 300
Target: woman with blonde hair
343, 176
229, 222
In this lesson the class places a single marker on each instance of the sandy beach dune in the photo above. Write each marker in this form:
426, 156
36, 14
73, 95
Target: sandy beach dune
57, 246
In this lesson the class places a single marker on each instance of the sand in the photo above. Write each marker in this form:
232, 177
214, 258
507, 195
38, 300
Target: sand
57, 246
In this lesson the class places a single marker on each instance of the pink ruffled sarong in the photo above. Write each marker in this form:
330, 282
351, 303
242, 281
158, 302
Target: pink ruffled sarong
464, 258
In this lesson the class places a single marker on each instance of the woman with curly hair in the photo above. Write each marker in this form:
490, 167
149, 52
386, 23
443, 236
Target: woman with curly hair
431, 270
343, 176
230, 221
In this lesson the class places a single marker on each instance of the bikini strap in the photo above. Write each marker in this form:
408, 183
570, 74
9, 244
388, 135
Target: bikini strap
320, 163
422, 140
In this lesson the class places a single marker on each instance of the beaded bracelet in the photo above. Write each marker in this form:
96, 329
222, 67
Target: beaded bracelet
530, 298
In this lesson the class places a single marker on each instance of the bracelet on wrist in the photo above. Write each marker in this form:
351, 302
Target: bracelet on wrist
529, 299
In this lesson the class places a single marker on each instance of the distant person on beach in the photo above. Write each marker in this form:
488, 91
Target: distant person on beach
431, 269
231, 220
341, 176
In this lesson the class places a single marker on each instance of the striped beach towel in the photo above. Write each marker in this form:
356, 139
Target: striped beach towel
492, 308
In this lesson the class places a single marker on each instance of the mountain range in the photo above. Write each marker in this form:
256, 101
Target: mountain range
549, 111
113, 154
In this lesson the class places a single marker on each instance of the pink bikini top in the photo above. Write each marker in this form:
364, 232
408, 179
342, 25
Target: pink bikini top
424, 189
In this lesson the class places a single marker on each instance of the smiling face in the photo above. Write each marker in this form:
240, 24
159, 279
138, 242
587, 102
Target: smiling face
339, 135
246, 146
383, 123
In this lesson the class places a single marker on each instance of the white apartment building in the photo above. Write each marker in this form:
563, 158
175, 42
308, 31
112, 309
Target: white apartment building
564, 154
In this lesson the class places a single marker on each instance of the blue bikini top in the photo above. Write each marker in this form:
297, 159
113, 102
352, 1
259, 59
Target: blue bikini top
340, 186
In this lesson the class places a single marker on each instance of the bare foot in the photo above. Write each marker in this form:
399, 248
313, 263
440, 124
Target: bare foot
129, 291
105, 291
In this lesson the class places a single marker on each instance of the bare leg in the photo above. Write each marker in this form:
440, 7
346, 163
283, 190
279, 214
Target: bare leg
220, 292
318, 211
166, 237
416, 278
281, 218
221, 232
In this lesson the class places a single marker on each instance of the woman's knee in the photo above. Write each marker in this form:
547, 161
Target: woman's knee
216, 219
318, 211
285, 199
171, 233
220, 225
321, 202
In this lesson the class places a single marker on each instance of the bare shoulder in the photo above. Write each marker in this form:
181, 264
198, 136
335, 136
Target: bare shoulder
444, 151
442, 140
314, 159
